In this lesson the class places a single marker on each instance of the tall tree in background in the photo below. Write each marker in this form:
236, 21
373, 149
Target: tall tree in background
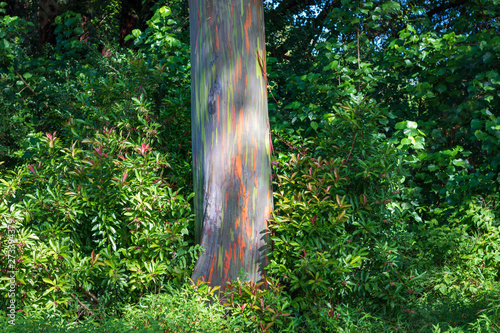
231, 138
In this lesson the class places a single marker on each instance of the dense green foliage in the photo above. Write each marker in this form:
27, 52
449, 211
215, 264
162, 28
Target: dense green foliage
386, 127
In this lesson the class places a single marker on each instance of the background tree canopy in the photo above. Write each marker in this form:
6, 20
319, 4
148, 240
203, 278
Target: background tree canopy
385, 122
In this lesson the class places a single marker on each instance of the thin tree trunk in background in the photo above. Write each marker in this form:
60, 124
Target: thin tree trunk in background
231, 138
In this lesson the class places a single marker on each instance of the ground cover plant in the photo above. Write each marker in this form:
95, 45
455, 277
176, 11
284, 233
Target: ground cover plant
385, 129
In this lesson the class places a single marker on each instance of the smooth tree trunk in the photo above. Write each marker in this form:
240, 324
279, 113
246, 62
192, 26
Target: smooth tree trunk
231, 138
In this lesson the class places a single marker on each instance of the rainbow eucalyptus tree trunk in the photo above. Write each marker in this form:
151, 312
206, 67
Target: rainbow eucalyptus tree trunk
231, 138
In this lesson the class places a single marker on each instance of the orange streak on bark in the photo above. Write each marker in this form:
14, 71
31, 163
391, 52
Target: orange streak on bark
234, 116
236, 224
235, 257
211, 269
227, 261
248, 25
244, 193
269, 208
241, 247
246, 84
248, 230
244, 215
239, 172
217, 37
239, 134
256, 183
239, 169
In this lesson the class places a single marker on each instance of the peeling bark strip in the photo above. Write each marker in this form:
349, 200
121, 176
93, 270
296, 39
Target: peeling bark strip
230, 128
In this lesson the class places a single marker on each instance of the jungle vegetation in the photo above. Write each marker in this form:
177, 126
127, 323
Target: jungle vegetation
384, 121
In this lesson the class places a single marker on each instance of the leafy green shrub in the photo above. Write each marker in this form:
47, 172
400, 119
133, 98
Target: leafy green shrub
254, 309
42, 90
185, 309
422, 193
453, 101
15, 111
99, 208
462, 255
37, 324
97, 222
342, 226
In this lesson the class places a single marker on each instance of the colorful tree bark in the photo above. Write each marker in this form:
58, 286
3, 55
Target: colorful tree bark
231, 138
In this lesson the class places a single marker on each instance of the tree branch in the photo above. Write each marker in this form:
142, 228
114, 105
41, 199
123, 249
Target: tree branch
89, 294
352, 147
81, 304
